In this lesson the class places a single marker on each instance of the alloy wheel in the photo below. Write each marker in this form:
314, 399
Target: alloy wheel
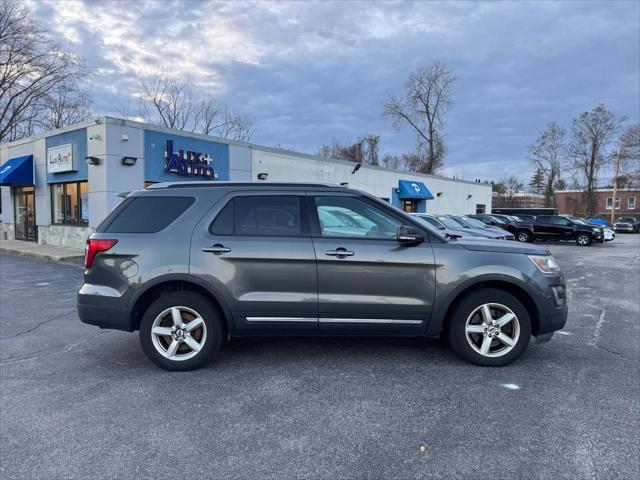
492, 330
583, 240
523, 237
178, 333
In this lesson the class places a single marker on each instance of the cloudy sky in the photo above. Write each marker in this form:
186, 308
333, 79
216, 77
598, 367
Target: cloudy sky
309, 73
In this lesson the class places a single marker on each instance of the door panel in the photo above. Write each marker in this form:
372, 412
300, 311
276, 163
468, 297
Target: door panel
269, 281
369, 284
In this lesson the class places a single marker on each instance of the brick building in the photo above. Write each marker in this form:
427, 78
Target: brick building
626, 203
519, 200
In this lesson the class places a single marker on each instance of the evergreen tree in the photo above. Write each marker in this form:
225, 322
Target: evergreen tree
537, 182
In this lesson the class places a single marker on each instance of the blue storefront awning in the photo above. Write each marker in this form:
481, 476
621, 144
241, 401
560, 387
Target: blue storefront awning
410, 190
17, 171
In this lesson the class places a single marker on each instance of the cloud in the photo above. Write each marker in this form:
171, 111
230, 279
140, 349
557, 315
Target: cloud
311, 72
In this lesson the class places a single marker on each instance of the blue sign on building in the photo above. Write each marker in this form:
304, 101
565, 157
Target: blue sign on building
173, 158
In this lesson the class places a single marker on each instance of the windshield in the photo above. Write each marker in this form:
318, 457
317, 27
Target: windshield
474, 222
460, 222
431, 221
448, 222
579, 221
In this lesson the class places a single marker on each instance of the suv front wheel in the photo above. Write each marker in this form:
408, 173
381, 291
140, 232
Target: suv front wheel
584, 239
180, 331
489, 327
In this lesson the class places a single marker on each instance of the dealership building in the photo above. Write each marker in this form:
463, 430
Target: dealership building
56, 187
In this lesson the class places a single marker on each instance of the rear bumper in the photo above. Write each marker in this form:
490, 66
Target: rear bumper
103, 316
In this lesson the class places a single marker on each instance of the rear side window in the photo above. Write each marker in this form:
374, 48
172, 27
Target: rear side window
262, 215
145, 214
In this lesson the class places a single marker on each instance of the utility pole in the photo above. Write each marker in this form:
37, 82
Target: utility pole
615, 188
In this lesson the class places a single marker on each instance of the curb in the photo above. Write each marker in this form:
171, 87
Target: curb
44, 256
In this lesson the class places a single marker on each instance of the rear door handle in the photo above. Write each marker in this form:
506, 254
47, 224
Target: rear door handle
340, 253
216, 249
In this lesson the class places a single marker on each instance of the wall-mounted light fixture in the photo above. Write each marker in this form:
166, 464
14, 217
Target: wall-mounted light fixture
469, 196
129, 161
92, 160
356, 168
344, 184
95, 136
124, 138
439, 194
262, 176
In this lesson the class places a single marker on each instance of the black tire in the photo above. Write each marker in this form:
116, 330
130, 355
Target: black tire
196, 302
524, 236
584, 240
457, 323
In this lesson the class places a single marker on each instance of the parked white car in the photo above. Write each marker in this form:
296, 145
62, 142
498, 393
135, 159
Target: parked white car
608, 234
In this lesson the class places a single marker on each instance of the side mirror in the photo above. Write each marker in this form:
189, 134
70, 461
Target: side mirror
408, 234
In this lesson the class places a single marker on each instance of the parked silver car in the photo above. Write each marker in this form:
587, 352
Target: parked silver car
435, 222
473, 225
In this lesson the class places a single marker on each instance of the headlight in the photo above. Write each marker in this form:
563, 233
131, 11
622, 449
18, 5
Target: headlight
545, 263
596, 229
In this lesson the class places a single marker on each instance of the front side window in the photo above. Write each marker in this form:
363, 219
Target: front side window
70, 203
561, 221
351, 217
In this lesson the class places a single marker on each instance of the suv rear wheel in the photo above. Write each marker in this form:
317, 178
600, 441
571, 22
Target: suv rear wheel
489, 327
181, 331
583, 239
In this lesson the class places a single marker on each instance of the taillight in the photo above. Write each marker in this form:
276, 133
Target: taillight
95, 246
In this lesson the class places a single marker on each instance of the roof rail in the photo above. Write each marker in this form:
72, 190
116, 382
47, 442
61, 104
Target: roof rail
214, 184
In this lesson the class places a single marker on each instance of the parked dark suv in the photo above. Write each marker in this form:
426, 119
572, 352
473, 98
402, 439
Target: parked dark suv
189, 265
556, 227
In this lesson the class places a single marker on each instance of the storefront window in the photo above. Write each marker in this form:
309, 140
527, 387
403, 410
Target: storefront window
70, 203
409, 206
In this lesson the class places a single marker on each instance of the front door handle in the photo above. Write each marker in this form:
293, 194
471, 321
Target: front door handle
216, 249
339, 252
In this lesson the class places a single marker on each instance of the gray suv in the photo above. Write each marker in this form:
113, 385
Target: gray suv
191, 264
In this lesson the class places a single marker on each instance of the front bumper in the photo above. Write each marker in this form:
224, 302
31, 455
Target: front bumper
623, 228
553, 321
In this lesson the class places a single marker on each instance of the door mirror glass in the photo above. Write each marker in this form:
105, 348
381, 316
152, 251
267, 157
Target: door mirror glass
408, 234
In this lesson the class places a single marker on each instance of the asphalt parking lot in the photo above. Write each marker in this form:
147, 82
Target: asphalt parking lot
79, 402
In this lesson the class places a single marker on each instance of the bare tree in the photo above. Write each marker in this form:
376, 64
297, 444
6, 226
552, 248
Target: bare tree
171, 102
512, 185
629, 143
364, 150
65, 106
592, 132
423, 107
33, 71
547, 154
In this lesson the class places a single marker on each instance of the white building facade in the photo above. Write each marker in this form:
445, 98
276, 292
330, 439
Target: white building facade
58, 186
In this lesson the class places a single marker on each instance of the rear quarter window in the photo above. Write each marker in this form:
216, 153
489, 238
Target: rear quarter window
145, 214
